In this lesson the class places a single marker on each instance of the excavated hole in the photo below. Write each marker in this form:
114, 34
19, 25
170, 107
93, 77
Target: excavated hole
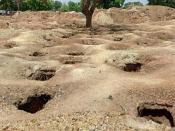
10, 45
118, 46
68, 35
71, 60
89, 42
75, 53
34, 103
118, 38
74, 50
132, 67
36, 54
42, 75
157, 114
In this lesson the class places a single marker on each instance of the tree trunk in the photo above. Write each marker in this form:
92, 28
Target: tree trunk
88, 20
18, 6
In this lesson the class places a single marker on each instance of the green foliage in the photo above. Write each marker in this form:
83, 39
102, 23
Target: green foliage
74, 6
57, 5
170, 3
64, 7
131, 4
7, 4
106, 4
37, 5
26, 4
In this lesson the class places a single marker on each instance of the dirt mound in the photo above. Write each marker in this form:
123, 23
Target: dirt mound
127, 61
4, 24
51, 19
42, 19
134, 15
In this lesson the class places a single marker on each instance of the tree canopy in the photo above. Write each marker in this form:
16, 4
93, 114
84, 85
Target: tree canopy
26, 4
37, 5
170, 3
106, 4
7, 4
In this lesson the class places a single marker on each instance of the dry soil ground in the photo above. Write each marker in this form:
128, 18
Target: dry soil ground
57, 75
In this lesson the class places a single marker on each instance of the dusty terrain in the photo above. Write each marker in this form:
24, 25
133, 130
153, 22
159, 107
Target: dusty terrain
57, 75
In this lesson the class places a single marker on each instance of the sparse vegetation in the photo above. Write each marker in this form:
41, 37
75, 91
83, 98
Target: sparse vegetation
106, 4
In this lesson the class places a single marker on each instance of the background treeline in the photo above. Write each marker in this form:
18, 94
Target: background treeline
39, 5
170, 3
34, 5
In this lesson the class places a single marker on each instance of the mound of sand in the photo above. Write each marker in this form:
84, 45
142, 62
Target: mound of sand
3, 24
51, 19
134, 15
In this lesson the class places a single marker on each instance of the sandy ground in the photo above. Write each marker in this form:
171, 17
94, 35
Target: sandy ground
87, 79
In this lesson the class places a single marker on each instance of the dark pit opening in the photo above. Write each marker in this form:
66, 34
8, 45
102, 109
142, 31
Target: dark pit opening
158, 115
34, 104
71, 59
71, 62
10, 45
42, 75
36, 54
132, 67
75, 53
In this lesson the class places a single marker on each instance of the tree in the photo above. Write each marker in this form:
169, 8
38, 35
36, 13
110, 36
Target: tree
64, 7
18, 4
106, 4
7, 4
24, 5
57, 5
170, 3
74, 6
88, 7
38, 5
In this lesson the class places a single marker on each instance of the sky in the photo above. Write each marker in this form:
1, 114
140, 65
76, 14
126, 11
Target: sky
143, 1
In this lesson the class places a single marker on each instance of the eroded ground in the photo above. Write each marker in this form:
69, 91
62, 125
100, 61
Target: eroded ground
57, 75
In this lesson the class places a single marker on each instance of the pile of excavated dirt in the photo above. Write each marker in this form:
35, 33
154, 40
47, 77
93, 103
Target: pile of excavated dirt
44, 15
134, 15
57, 75
3, 24
43, 18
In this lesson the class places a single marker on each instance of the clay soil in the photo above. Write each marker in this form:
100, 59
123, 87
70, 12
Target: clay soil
57, 75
